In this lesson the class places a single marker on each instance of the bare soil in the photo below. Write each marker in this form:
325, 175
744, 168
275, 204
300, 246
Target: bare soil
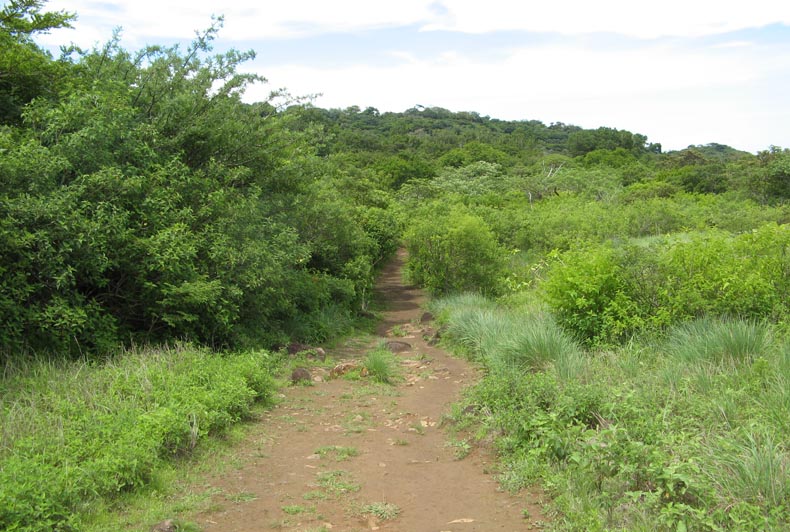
405, 473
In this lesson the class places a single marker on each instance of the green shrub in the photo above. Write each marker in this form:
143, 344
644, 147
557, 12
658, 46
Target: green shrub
454, 251
588, 292
607, 293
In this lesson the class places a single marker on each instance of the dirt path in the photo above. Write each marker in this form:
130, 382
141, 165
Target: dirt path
347, 455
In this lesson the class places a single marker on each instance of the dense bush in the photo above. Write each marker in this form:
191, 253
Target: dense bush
454, 251
149, 203
607, 293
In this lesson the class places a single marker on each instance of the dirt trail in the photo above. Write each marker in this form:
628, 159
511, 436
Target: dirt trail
402, 454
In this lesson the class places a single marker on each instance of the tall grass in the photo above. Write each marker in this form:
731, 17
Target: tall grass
506, 340
381, 365
719, 341
682, 431
754, 468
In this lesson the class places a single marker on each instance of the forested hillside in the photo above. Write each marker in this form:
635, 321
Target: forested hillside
630, 306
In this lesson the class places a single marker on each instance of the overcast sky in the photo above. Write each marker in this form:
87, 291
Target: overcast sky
679, 71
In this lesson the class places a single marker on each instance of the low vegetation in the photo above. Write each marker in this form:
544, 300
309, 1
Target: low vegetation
680, 431
77, 432
381, 365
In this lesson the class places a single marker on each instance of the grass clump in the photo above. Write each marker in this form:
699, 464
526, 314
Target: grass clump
719, 341
509, 340
381, 510
381, 365
338, 452
73, 433
337, 482
754, 468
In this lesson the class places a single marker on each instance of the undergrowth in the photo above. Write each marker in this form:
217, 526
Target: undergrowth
684, 431
75, 433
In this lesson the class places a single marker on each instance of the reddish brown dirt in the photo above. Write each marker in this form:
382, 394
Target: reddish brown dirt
403, 459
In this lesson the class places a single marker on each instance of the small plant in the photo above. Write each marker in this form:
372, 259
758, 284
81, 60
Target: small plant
315, 495
381, 366
337, 482
242, 496
295, 509
461, 448
357, 423
398, 331
417, 427
338, 452
381, 510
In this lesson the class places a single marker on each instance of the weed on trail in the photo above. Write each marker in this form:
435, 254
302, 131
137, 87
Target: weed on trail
336, 452
337, 483
381, 510
382, 366
357, 423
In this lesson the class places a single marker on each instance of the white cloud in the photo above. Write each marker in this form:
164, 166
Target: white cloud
144, 20
625, 17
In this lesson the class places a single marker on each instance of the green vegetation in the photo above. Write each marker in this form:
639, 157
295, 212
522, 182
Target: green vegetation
74, 432
683, 431
381, 510
146, 202
636, 354
336, 483
337, 452
382, 365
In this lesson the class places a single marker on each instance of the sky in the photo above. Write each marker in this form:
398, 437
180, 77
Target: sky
681, 72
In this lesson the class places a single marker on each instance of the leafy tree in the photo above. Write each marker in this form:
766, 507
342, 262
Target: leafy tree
27, 71
778, 174
454, 251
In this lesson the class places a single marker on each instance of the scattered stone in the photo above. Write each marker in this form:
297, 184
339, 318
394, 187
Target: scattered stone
296, 348
426, 317
300, 375
470, 410
396, 346
165, 526
342, 369
437, 335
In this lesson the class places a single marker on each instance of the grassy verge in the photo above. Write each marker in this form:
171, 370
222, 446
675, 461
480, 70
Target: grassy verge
74, 436
688, 431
